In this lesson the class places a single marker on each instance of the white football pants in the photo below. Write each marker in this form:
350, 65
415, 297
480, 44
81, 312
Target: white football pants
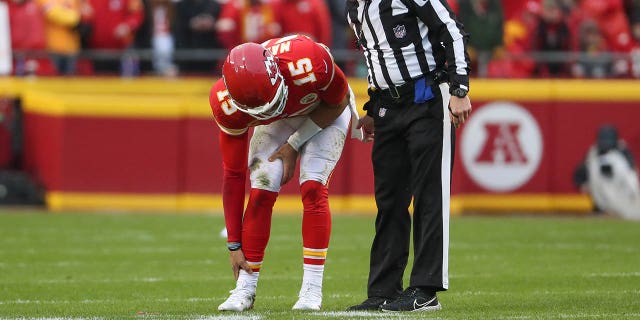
318, 157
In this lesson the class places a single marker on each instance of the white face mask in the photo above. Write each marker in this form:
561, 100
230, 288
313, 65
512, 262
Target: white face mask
270, 109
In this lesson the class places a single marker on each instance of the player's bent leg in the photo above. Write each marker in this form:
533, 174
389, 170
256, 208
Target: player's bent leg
317, 160
316, 231
242, 297
256, 226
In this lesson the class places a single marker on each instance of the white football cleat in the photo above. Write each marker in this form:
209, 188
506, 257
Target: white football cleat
310, 297
241, 298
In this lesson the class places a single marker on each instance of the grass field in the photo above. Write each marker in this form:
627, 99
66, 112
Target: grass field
137, 266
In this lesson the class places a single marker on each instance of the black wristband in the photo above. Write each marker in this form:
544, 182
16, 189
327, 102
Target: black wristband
234, 246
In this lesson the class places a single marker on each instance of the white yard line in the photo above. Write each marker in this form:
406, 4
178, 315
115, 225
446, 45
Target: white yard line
229, 317
54, 318
359, 314
114, 301
578, 316
614, 275
542, 292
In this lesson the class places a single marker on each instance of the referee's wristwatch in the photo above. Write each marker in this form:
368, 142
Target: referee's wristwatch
458, 92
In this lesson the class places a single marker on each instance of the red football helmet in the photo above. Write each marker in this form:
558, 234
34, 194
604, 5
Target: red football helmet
254, 81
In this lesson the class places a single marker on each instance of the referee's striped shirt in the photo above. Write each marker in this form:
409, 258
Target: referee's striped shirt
406, 39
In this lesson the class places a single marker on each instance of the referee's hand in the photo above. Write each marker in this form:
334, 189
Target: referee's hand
459, 110
366, 123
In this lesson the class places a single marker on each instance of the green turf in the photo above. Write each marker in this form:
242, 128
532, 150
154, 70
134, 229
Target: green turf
128, 266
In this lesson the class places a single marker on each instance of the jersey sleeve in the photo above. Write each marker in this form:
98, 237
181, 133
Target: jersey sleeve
229, 120
234, 141
332, 83
437, 16
234, 151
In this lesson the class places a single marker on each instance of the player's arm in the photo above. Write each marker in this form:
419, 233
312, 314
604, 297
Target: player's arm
234, 162
334, 93
234, 158
234, 147
234, 141
333, 90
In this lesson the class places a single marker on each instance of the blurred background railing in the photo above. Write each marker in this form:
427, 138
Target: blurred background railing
139, 62
507, 38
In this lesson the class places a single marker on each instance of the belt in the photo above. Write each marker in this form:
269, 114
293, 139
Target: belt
397, 91
408, 88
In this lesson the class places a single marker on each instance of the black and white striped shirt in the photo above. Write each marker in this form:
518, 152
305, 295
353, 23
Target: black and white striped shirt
406, 39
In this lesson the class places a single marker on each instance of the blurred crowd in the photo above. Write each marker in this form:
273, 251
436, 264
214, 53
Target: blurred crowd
509, 38
553, 38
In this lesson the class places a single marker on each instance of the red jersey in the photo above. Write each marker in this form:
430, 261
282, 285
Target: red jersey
243, 21
27, 25
309, 72
108, 15
309, 17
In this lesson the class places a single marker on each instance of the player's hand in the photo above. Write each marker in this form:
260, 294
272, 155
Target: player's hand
459, 110
238, 261
288, 155
366, 123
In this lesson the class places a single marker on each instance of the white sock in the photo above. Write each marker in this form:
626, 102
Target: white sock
313, 274
248, 280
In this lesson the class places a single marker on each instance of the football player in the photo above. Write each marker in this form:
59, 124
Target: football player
293, 95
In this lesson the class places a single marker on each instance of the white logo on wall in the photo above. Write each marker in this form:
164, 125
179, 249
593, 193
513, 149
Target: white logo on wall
501, 146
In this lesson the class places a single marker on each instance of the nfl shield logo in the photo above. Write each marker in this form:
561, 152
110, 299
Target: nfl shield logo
382, 112
399, 31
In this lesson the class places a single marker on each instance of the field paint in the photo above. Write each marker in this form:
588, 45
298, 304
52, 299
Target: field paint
229, 317
101, 251
579, 316
570, 245
67, 281
544, 292
143, 280
341, 295
606, 315
201, 299
358, 314
111, 301
21, 301
54, 318
67, 263
614, 275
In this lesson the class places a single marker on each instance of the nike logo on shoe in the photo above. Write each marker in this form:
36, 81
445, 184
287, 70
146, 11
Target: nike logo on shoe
418, 306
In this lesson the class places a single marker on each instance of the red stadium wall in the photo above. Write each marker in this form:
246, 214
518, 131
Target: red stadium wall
151, 144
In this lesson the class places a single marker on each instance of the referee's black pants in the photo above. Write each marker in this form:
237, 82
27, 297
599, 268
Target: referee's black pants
412, 158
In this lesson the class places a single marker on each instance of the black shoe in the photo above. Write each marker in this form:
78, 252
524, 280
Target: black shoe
372, 303
413, 299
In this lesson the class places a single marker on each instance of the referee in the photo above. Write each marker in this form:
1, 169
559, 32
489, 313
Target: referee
418, 74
